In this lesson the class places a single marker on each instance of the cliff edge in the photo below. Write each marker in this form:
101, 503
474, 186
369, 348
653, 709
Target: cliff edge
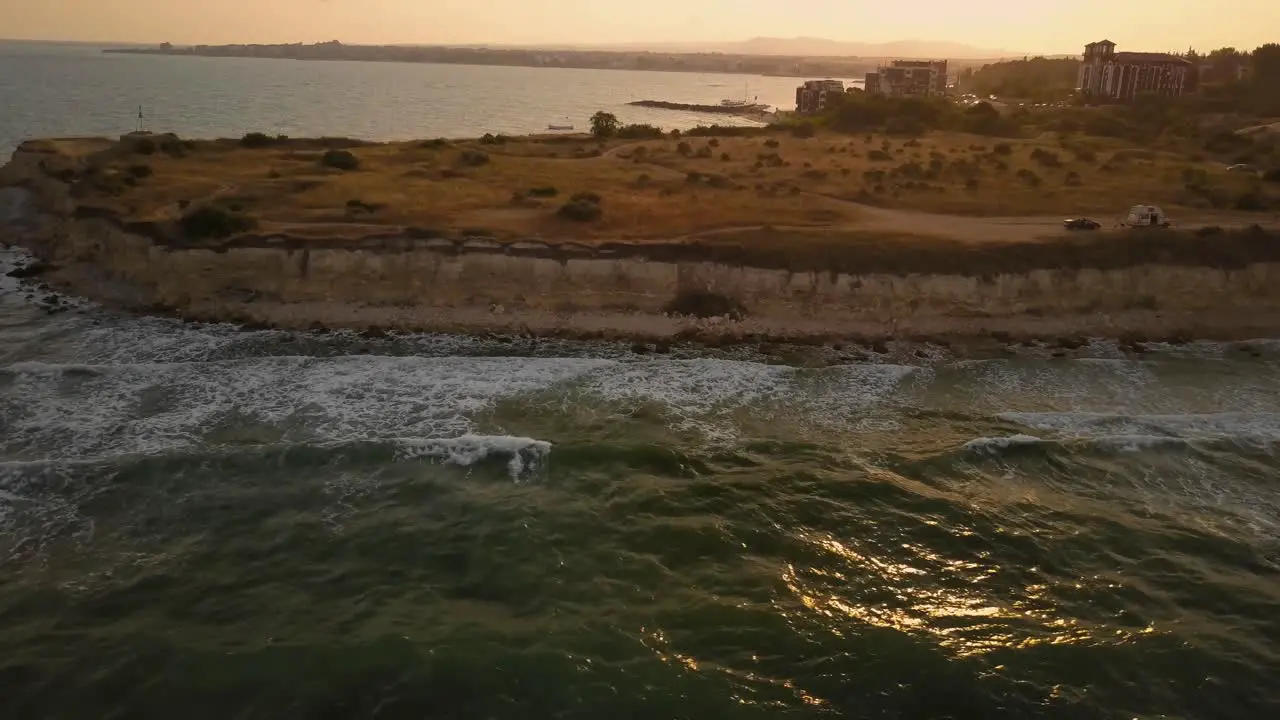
124, 236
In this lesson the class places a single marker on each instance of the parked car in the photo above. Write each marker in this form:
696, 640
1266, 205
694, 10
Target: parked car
1080, 224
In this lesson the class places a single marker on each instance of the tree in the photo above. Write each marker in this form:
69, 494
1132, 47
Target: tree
1266, 63
604, 124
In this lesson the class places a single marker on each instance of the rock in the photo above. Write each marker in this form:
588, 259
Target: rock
640, 348
35, 269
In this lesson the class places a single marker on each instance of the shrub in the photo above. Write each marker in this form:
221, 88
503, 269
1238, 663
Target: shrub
340, 159
473, 158
1029, 177
1046, 158
1209, 231
704, 304
1085, 155
543, 192
209, 221
639, 132
1002, 149
256, 140
140, 171
879, 156
491, 139
971, 184
703, 152
433, 144
693, 177
803, 130
905, 125
361, 206
771, 143
1073, 179
580, 211
145, 146
684, 148
1251, 202
643, 179
724, 157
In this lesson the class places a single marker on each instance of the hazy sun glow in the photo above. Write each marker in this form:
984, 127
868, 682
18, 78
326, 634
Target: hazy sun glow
1048, 26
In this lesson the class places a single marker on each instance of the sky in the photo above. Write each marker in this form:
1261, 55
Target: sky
1040, 26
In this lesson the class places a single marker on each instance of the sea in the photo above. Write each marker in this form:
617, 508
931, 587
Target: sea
204, 521
72, 89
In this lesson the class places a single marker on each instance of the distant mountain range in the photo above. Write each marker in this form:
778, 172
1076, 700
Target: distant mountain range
823, 47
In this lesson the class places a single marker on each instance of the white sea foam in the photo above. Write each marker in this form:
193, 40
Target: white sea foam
996, 444
523, 454
88, 411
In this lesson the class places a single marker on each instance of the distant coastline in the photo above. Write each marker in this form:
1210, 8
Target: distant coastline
777, 66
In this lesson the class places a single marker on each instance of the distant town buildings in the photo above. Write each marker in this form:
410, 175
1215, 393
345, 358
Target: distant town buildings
814, 96
909, 78
1105, 73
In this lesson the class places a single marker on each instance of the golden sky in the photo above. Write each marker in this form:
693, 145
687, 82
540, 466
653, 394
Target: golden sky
1051, 26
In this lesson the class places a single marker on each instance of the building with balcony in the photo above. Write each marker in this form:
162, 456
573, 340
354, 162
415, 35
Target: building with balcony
1107, 74
815, 96
909, 78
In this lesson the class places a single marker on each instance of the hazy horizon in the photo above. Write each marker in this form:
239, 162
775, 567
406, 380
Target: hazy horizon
1046, 27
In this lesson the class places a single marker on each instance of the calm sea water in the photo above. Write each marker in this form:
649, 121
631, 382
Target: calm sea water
202, 522
50, 89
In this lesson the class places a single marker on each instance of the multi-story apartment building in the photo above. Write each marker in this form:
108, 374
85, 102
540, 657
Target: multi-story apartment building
814, 96
921, 78
1105, 73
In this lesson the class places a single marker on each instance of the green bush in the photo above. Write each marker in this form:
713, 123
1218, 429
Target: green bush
1251, 202
210, 221
803, 130
256, 140
639, 132
340, 159
1046, 158
580, 211
473, 158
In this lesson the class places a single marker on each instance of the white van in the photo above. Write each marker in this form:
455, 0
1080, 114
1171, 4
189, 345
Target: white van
1146, 216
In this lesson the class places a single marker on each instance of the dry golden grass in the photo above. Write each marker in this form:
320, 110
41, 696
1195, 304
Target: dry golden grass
835, 165
666, 188
433, 187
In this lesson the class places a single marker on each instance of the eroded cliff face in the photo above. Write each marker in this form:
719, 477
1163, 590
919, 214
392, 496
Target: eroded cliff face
485, 287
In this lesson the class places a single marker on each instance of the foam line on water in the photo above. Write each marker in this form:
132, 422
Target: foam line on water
92, 411
1227, 425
